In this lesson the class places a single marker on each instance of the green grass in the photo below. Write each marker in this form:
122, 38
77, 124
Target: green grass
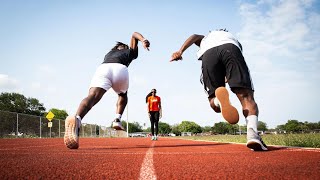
295, 140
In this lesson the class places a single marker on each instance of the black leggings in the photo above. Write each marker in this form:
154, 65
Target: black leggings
154, 119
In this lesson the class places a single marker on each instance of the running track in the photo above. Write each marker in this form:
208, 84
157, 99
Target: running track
141, 158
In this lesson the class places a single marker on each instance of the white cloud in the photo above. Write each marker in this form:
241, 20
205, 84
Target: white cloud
46, 69
7, 83
35, 86
281, 45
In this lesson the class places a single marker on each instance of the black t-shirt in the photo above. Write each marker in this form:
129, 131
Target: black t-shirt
123, 56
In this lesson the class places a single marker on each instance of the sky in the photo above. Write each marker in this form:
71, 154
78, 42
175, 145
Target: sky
49, 50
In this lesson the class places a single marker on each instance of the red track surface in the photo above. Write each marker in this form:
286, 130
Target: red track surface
141, 158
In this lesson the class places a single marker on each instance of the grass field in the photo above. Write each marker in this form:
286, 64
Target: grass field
295, 140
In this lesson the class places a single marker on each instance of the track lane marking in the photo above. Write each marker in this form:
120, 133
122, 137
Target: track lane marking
147, 171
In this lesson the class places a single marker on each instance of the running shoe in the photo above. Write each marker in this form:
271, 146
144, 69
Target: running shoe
229, 113
116, 124
72, 130
254, 141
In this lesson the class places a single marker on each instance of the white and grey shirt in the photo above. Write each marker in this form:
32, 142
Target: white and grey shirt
216, 38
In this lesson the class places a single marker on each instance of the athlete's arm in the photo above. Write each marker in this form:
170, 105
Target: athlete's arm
160, 109
193, 39
138, 37
148, 108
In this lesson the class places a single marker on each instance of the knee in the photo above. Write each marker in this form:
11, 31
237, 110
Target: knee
250, 109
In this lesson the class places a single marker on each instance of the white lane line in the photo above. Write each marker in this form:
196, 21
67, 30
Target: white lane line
147, 171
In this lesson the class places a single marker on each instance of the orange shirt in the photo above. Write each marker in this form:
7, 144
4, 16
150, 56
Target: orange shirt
153, 103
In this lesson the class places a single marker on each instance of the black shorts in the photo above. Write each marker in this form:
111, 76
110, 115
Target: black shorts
224, 61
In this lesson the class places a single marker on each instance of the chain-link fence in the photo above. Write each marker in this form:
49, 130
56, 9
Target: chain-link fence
23, 125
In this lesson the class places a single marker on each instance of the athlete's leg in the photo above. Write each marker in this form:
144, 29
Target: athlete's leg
73, 123
250, 112
122, 102
94, 96
156, 122
213, 105
152, 120
120, 84
246, 98
213, 75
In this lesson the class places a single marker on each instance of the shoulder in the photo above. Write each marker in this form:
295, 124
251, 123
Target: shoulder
133, 52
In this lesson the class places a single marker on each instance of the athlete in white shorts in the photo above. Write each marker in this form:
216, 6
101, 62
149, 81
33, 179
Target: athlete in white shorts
112, 73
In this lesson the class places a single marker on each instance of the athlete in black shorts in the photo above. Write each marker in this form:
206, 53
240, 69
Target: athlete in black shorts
222, 61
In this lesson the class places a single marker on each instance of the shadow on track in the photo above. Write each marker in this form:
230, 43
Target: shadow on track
160, 146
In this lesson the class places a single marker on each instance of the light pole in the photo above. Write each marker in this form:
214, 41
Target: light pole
127, 119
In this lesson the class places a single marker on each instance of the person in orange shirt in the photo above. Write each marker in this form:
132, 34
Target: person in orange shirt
154, 111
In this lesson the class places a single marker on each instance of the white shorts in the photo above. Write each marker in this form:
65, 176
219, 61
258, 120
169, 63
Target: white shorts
111, 75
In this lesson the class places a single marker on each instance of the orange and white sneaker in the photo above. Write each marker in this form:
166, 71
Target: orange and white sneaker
72, 130
229, 113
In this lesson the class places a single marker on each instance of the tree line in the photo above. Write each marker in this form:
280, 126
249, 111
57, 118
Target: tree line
15, 102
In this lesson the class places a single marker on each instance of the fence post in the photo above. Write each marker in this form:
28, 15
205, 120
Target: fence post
40, 126
59, 127
82, 128
17, 124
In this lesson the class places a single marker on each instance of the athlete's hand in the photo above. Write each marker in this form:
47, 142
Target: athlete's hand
146, 44
176, 56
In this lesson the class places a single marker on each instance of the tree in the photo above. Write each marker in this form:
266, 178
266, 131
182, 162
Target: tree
225, 128
133, 127
313, 126
187, 126
280, 127
175, 130
262, 126
147, 130
292, 126
58, 114
207, 129
232, 128
164, 128
220, 128
16, 102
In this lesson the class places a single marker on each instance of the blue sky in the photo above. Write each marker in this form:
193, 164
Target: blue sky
49, 50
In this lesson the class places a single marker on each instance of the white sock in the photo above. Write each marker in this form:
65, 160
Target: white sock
118, 116
216, 102
252, 122
78, 117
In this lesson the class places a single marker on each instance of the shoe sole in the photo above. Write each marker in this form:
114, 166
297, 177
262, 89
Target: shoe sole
256, 145
229, 113
71, 139
116, 127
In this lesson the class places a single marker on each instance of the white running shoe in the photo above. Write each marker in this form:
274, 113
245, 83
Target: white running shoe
71, 134
255, 142
116, 124
229, 113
